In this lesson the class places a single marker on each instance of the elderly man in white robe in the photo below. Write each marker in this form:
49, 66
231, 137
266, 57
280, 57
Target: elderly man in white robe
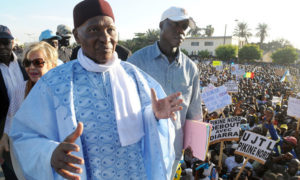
95, 117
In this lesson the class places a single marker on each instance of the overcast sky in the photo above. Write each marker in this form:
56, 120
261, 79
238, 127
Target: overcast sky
27, 18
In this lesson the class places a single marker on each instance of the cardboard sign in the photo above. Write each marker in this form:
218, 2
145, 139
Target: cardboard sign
217, 63
226, 129
196, 135
293, 107
255, 146
216, 98
232, 86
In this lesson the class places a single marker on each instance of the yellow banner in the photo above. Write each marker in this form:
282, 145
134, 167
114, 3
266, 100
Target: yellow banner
217, 63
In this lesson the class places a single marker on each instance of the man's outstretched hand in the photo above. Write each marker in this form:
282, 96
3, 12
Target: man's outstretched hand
63, 161
166, 108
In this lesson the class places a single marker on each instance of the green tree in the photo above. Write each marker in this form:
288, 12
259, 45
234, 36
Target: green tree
262, 33
287, 55
185, 51
141, 40
195, 32
276, 44
204, 54
242, 31
226, 52
209, 30
250, 52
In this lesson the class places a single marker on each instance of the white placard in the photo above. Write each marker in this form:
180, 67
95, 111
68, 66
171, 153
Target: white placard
234, 68
213, 79
293, 107
226, 129
276, 100
216, 98
255, 146
240, 73
219, 68
232, 86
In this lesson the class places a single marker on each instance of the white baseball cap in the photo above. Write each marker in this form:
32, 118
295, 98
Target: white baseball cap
177, 14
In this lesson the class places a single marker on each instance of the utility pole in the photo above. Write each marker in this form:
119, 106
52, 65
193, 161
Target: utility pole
225, 33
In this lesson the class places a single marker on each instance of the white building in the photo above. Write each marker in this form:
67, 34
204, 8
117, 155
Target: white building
195, 44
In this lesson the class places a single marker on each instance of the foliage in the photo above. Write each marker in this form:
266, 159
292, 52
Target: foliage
250, 52
195, 32
275, 44
185, 51
209, 30
204, 54
287, 55
226, 52
262, 29
141, 40
242, 31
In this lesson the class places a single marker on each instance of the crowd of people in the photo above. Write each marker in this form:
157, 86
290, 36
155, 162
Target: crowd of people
85, 113
255, 103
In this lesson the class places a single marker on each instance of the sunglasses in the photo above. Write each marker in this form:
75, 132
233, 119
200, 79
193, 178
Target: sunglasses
5, 42
39, 62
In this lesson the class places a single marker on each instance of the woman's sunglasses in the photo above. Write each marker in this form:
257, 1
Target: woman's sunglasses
39, 62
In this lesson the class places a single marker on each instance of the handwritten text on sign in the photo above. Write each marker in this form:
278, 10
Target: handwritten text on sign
226, 129
255, 146
216, 98
294, 107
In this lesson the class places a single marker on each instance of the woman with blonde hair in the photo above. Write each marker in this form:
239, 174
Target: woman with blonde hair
38, 60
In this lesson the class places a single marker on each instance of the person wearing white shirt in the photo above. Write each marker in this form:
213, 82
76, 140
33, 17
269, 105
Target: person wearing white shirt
11, 76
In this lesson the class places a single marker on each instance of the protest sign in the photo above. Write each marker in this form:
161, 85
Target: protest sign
234, 68
213, 79
240, 73
276, 100
217, 63
293, 107
232, 86
255, 146
196, 136
226, 129
216, 98
219, 68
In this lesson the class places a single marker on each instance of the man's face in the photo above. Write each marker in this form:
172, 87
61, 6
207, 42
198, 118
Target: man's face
98, 38
239, 159
53, 43
65, 41
6, 46
173, 32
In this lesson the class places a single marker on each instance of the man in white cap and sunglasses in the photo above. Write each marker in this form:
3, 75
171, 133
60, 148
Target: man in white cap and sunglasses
173, 69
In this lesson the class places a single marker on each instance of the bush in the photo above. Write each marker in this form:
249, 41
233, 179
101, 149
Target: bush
204, 54
287, 55
250, 52
226, 52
